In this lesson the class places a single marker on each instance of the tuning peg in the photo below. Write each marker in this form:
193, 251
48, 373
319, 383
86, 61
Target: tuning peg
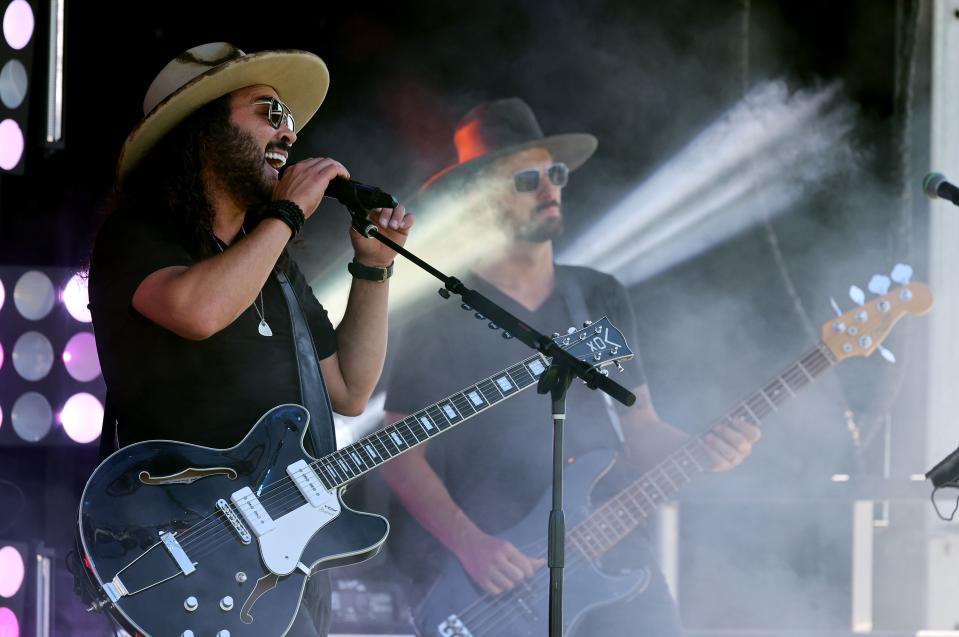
493, 326
835, 306
506, 335
879, 284
857, 295
587, 323
889, 356
555, 334
467, 307
902, 274
570, 330
479, 317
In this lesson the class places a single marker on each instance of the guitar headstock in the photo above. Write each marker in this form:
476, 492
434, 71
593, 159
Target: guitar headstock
599, 344
860, 331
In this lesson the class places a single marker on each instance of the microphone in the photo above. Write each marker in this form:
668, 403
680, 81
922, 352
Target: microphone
937, 187
353, 194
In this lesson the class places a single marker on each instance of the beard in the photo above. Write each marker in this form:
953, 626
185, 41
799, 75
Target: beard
539, 231
238, 165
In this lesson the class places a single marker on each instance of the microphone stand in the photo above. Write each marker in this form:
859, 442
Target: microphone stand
555, 381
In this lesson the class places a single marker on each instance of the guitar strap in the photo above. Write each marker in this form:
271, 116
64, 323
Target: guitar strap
571, 291
312, 388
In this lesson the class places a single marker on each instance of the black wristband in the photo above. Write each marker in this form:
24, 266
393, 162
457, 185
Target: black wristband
367, 273
284, 210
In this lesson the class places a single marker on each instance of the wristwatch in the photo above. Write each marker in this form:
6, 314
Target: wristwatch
367, 273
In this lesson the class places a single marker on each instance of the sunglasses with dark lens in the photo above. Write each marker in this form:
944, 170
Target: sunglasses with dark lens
528, 180
278, 113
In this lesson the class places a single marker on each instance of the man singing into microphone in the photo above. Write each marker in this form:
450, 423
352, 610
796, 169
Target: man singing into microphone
484, 478
193, 294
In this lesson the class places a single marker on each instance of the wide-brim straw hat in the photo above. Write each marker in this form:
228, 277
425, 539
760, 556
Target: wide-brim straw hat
209, 71
498, 129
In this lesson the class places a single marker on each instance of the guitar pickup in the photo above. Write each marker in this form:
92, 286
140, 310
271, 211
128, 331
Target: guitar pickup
252, 511
308, 483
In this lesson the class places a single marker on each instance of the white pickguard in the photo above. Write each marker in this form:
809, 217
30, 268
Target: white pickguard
282, 542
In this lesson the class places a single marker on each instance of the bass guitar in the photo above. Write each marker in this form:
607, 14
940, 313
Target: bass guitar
185, 540
456, 606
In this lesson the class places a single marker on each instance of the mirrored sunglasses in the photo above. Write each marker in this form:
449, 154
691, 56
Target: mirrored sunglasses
528, 180
278, 113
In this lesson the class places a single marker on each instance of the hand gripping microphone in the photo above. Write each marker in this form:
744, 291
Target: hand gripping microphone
937, 187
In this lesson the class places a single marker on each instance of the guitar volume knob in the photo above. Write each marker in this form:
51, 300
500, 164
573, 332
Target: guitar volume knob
190, 604
226, 603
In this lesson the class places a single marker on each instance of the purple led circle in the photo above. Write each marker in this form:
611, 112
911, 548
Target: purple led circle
18, 24
9, 626
11, 571
80, 357
11, 144
82, 418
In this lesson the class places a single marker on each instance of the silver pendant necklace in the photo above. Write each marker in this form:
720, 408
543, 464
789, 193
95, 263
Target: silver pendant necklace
263, 327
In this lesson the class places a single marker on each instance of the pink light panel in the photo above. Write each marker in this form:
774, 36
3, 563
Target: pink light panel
11, 571
11, 144
82, 418
18, 24
80, 357
9, 626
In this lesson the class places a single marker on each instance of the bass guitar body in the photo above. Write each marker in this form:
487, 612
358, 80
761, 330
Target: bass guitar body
455, 605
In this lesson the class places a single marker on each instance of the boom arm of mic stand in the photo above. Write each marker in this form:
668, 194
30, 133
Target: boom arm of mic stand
592, 377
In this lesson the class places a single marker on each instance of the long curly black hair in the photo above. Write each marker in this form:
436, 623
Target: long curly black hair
167, 185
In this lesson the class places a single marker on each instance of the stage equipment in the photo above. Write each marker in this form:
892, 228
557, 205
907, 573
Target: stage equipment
16, 62
51, 389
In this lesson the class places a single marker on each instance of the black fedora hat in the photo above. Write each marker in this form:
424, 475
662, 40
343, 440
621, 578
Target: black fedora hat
504, 127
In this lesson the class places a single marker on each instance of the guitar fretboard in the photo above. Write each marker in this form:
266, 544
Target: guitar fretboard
635, 504
350, 462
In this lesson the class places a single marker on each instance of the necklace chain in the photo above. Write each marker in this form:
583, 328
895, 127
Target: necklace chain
262, 327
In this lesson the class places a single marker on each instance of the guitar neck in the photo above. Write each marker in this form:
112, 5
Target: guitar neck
350, 462
635, 504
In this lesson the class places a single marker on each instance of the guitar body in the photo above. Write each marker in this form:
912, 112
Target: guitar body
210, 579
454, 603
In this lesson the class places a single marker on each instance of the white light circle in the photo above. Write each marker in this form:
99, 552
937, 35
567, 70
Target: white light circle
32, 356
31, 417
11, 144
76, 298
82, 418
80, 357
18, 24
11, 571
13, 84
34, 295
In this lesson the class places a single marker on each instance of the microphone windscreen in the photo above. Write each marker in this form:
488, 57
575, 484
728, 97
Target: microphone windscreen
931, 184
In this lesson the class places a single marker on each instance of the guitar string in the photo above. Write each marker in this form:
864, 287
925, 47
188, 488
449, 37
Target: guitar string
287, 488
475, 616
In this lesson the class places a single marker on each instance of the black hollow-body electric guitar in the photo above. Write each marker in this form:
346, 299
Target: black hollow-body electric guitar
456, 607
190, 541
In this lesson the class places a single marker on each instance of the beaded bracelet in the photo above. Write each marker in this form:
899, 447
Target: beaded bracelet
284, 210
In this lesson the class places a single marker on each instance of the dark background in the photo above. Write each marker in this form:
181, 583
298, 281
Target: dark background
644, 78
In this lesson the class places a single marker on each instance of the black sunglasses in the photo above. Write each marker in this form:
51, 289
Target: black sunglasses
278, 113
528, 180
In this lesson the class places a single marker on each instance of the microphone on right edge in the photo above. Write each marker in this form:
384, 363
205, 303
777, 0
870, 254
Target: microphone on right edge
937, 187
